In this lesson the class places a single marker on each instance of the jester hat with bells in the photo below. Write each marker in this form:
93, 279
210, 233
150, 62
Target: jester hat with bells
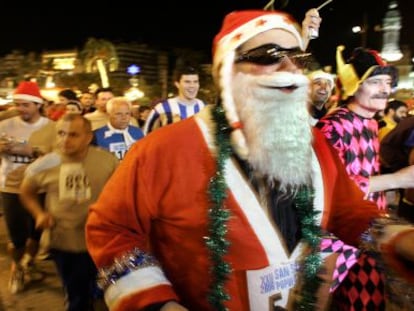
238, 27
363, 63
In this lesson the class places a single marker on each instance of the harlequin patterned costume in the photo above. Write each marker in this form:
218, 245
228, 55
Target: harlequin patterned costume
356, 140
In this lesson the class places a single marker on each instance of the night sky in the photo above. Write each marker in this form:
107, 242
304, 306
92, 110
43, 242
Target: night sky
183, 23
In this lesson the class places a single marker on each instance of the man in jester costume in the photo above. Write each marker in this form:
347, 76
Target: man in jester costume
228, 209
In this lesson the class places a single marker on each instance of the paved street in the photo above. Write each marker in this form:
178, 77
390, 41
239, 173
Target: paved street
37, 296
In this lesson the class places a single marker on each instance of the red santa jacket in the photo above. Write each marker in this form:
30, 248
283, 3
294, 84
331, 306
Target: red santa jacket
157, 202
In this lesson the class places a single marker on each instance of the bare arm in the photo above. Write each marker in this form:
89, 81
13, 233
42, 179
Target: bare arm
30, 200
404, 178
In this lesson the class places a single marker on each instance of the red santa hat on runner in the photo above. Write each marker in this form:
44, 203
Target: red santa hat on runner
238, 27
29, 91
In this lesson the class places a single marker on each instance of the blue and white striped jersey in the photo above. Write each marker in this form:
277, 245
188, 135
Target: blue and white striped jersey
170, 111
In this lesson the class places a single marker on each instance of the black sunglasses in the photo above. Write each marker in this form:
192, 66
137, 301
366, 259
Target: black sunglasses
272, 54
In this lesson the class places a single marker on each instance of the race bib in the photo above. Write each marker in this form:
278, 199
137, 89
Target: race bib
270, 287
73, 183
119, 149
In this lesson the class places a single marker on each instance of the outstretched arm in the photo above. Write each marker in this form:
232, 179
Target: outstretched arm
402, 179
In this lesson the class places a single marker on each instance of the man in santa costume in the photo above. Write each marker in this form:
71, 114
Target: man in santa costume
227, 210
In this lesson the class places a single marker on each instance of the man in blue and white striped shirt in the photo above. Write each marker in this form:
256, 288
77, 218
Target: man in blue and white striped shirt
184, 105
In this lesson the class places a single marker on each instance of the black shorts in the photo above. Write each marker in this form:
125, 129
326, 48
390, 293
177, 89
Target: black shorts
20, 224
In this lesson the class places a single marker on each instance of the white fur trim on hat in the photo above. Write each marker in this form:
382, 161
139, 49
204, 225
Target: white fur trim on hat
320, 74
29, 98
29, 91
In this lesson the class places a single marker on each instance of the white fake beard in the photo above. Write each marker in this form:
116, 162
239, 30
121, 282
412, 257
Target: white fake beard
276, 125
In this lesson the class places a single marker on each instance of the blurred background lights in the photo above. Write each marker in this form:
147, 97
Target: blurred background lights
133, 69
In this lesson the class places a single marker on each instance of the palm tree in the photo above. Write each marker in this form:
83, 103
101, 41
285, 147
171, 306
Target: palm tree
100, 54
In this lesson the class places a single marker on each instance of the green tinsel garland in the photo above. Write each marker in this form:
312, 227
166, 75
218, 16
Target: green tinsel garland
311, 235
219, 215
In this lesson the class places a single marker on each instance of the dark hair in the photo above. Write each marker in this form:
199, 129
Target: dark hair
69, 94
143, 108
103, 89
394, 105
184, 70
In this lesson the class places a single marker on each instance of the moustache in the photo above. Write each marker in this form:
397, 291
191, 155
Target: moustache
282, 79
381, 96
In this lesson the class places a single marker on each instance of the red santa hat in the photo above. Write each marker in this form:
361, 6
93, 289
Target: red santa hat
238, 27
28, 90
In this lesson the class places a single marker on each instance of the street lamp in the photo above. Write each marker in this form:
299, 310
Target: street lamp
133, 69
134, 93
356, 29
